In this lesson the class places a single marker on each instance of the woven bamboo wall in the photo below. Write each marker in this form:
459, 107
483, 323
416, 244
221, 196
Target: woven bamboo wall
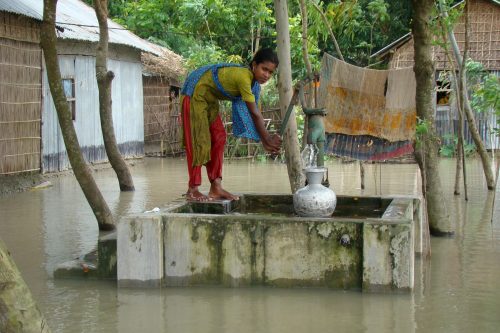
20, 94
161, 117
484, 39
19, 28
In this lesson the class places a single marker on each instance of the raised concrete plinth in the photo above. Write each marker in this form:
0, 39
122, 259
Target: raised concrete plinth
369, 246
140, 251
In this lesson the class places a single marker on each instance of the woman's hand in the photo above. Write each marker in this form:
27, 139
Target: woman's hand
272, 143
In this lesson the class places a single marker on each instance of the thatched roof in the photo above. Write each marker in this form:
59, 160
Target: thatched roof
170, 65
484, 38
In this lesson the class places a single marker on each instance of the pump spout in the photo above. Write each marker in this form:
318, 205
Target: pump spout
316, 131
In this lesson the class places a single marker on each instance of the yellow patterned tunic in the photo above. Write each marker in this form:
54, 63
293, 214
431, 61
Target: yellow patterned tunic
236, 81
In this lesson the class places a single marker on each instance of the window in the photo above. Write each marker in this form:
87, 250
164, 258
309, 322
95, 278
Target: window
443, 85
69, 91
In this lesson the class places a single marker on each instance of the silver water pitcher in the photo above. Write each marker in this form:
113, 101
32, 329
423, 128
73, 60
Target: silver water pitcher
314, 200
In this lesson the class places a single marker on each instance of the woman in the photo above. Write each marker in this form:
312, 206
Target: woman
204, 133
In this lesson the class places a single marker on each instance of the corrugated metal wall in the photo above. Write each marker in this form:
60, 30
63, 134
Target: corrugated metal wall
127, 97
447, 123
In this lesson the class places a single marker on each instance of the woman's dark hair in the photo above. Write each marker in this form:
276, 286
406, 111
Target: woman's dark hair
263, 55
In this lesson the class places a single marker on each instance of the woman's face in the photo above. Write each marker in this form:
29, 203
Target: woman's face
262, 72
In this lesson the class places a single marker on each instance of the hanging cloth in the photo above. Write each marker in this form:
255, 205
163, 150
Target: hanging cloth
363, 101
371, 114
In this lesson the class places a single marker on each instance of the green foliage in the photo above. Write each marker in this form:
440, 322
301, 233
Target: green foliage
361, 26
470, 149
449, 148
147, 18
422, 127
421, 130
227, 24
449, 22
298, 65
199, 55
441, 24
300, 119
475, 72
484, 89
226, 28
261, 158
269, 94
487, 95
377, 13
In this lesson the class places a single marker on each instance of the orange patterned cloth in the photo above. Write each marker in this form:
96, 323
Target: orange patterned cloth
361, 101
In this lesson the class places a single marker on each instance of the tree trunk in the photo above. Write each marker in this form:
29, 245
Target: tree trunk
460, 155
80, 168
460, 165
461, 144
439, 220
469, 115
481, 149
257, 37
292, 153
307, 63
18, 310
104, 78
305, 53
463, 95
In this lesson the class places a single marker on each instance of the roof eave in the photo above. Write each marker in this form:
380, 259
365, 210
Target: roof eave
382, 52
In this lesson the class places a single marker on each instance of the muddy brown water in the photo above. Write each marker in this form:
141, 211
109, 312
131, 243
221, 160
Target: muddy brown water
457, 290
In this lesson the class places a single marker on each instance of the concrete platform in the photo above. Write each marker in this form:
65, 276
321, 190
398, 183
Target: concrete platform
369, 245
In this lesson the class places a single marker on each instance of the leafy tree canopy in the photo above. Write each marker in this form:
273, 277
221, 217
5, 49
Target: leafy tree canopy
205, 31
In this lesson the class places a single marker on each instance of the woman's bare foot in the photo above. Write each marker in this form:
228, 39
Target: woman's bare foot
218, 193
193, 194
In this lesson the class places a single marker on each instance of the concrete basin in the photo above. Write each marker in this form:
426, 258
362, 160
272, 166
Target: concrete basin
369, 244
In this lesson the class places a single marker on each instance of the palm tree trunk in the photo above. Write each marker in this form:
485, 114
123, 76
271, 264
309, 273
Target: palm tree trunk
80, 167
104, 78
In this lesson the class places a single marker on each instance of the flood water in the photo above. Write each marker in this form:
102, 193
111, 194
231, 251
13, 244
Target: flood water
457, 290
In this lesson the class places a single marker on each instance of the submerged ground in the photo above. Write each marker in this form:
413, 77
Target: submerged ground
458, 290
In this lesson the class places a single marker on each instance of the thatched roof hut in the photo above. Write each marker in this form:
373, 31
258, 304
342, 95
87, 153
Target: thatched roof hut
161, 80
484, 40
167, 64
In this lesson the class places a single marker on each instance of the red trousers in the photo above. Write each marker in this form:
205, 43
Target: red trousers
218, 140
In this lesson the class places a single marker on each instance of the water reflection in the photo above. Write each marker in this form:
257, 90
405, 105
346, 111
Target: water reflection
458, 290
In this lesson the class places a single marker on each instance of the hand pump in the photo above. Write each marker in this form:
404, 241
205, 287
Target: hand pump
316, 127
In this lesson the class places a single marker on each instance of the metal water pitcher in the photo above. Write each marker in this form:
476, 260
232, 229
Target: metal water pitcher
314, 200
